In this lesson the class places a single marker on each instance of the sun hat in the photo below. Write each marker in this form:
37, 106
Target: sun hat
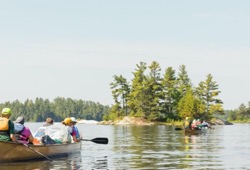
20, 120
67, 120
73, 119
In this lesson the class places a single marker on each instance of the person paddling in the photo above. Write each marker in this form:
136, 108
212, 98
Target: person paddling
6, 126
187, 123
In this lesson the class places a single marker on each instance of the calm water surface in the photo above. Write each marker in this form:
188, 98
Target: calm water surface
153, 147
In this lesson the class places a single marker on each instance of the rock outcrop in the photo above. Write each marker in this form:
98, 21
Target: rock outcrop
218, 121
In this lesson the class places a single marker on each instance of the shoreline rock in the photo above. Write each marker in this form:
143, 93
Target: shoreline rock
218, 121
127, 121
87, 122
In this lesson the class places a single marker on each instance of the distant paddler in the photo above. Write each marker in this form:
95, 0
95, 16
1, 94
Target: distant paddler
187, 123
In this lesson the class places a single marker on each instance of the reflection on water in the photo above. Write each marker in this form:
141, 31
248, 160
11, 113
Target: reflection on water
154, 147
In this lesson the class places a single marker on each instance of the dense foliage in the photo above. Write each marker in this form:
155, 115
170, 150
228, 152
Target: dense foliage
58, 109
158, 97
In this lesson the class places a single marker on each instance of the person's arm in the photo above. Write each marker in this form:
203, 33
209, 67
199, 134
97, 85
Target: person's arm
73, 134
31, 139
11, 130
74, 138
13, 138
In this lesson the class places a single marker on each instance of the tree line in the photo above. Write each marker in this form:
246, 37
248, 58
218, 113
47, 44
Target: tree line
163, 97
242, 113
58, 109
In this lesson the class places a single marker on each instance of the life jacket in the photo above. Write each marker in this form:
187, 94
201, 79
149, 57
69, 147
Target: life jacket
4, 126
77, 132
18, 132
21, 137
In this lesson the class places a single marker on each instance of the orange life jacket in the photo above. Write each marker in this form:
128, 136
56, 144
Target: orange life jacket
4, 125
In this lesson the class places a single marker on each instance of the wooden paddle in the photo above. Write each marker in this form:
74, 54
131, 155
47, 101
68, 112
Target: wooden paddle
98, 140
36, 151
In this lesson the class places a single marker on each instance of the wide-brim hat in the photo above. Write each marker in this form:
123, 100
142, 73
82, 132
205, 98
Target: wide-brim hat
20, 120
73, 119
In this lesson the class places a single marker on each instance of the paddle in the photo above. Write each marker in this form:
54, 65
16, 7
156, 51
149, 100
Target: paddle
98, 140
178, 128
36, 151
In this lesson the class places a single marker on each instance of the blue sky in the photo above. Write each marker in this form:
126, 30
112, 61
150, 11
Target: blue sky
73, 48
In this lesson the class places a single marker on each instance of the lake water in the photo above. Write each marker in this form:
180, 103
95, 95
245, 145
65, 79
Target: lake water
153, 147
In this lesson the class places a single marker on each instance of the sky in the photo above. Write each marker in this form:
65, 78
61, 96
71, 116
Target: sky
73, 49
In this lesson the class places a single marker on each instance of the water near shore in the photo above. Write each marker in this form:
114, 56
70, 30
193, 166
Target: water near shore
153, 147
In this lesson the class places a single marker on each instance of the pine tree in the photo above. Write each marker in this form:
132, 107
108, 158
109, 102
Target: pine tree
137, 94
153, 91
183, 81
120, 91
169, 93
208, 91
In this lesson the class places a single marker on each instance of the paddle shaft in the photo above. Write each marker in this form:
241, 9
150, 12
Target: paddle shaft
98, 140
37, 152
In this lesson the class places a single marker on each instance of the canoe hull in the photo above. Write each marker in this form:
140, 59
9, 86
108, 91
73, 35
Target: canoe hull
10, 151
195, 132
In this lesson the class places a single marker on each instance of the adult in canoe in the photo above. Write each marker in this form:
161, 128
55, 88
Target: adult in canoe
49, 122
6, 126
41, 130
22, 133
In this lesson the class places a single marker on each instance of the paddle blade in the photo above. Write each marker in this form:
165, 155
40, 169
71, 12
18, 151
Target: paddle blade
101, 140
178, 128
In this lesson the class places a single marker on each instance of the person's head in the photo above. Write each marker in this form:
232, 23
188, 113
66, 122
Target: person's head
67, 121
49, 121
73, 120
6, 112
187, 118
20, 120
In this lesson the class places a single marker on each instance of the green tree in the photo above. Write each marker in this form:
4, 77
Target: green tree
120, 91
183, 81
186, 105
169, 93
137, 94
190, 106
208, 93
153, 89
